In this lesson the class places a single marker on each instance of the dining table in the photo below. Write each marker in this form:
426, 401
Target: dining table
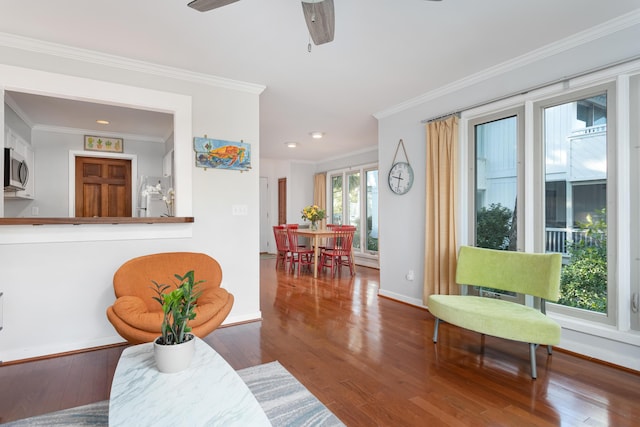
316, 236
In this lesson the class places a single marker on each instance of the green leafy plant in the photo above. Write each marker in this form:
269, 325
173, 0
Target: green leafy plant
583, 283
178, 307
494, 231
493, 227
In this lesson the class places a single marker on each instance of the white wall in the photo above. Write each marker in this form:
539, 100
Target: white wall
57, 280
273, 170
299, 191
402, 217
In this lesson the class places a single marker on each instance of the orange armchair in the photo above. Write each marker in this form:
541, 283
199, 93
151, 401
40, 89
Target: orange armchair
137, 317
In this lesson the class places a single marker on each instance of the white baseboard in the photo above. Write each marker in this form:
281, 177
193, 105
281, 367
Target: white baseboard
32, 352
242, 318
48, 350
403, 298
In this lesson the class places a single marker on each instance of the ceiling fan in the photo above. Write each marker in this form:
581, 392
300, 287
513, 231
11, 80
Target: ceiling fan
318, 14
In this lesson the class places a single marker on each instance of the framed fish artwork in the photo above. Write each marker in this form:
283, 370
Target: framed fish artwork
219, 154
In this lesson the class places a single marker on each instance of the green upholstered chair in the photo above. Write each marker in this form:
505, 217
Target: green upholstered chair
526, 273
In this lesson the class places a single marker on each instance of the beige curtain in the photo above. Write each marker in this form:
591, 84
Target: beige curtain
440, 225
320, 194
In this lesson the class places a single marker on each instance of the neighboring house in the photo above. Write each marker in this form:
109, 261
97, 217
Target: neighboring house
576, 157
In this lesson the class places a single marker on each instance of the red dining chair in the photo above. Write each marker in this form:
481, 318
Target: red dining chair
301, 242
282, 245
300, 254
340, 253
350, 262
328, 244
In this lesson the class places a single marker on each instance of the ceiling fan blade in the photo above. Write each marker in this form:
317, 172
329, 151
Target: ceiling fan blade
321, 20
205, 5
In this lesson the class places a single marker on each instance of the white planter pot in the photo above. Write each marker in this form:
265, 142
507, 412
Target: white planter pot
174, 358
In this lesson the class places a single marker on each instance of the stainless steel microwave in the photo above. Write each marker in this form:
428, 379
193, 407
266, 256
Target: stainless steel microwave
16, 171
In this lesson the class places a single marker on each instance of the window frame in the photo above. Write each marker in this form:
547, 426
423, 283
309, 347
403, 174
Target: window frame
360, 252
518, 113
634, 187
537, 118
626, 80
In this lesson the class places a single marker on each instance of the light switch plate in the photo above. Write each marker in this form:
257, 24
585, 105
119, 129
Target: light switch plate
238, 210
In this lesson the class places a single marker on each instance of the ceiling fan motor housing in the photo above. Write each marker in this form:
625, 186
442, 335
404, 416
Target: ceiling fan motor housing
320, 18
318, 14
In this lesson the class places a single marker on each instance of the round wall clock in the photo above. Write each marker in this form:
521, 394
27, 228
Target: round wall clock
401, 177
401, 173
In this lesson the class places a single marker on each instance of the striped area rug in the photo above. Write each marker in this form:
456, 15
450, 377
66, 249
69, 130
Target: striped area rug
282, 397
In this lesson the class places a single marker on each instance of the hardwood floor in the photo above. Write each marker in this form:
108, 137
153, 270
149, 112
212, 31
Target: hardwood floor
371, 361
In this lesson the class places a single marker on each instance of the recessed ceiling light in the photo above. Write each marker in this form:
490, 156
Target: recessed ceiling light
291, 144
316, 135
102, 122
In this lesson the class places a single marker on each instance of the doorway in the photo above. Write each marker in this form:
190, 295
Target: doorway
282, 200
265, 227
103, 187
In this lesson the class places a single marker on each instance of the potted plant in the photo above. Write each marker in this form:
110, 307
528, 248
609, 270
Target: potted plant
174, 349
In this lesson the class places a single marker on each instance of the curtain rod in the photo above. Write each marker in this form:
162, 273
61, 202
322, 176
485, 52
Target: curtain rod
445, 116
531, 89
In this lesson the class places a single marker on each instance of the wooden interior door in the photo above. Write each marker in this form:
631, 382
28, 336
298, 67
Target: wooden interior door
282, 200
103, 187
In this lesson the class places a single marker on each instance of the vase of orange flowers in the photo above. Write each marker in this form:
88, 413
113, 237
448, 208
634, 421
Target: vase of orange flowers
313, 213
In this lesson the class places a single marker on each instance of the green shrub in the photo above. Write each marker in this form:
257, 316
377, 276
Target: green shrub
493, 225
493, 229
583, 283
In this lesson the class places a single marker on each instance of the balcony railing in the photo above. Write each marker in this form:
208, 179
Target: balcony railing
557, 239
591, 130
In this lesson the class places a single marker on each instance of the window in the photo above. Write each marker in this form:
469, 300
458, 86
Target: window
372, 212
496, 143
353, 206
634, 232
575, 174
336, 199
354, 201
496, 183
580, 189
570, 155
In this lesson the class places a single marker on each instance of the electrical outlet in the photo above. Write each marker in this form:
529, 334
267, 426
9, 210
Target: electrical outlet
35, 211
410, 276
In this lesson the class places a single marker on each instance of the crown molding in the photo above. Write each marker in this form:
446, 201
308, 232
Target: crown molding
369, 149
99, 58
594, 33
76, 131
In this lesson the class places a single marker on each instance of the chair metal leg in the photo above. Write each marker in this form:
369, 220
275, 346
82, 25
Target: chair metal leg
532, 351
435, 330
549, 349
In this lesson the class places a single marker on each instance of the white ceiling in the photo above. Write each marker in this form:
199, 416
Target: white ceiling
385, 52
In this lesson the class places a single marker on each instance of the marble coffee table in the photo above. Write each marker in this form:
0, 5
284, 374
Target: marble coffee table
208, 393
